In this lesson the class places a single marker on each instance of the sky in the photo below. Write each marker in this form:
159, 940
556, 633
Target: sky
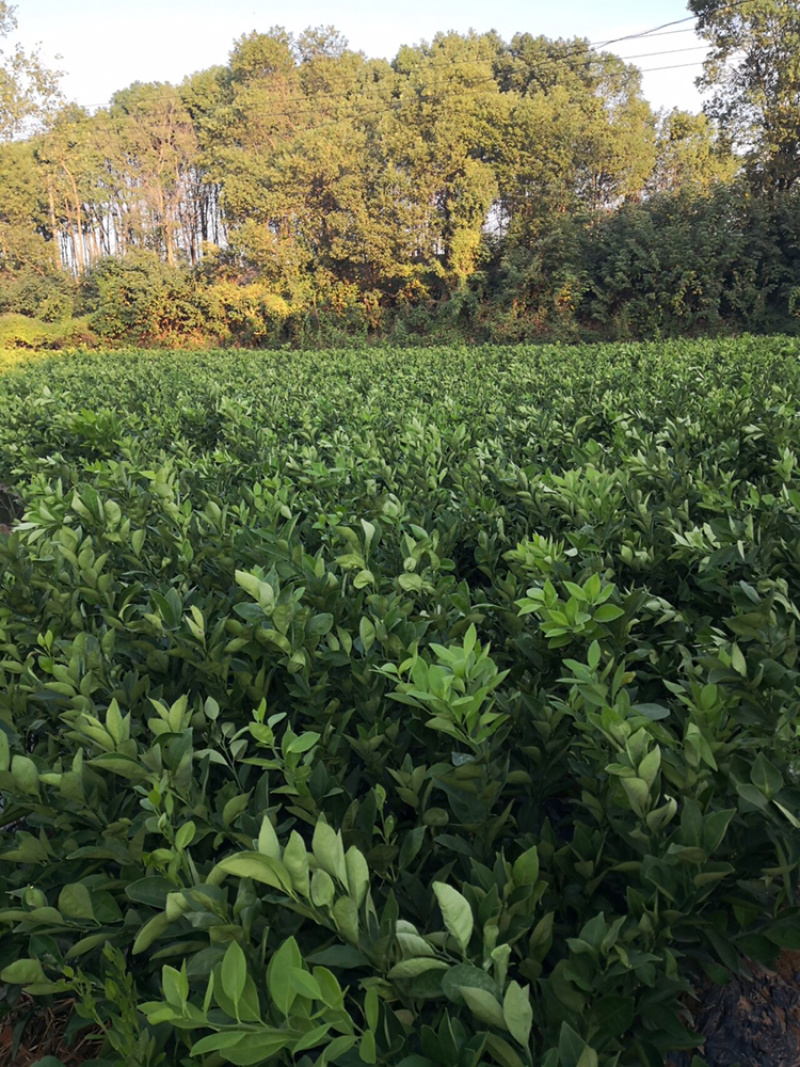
105, 45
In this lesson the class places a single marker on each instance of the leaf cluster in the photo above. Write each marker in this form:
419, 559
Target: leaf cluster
412, 707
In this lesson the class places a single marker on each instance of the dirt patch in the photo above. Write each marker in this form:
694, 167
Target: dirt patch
754, 1020
33, 1031
11, 508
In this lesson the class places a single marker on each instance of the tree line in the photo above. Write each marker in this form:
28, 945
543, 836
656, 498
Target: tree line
470, 188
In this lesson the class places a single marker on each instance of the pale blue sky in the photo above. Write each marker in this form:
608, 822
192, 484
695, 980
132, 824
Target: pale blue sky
107, 44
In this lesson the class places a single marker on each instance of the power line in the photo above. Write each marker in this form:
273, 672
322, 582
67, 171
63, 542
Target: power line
588, 61
391, 105
669, 33
673, 66
667, 52
675, 22
662, 29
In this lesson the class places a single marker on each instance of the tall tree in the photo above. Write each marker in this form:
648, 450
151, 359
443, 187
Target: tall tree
159, 146
753, 72
24, 231
689, 154
581, 136
72, 164
449, 117
29, 90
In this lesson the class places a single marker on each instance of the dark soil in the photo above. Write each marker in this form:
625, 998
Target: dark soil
11, 508
33, 1031
754, 1020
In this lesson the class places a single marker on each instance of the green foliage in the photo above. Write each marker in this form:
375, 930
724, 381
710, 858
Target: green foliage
427, 707
693, 264
21, 336
753, 73
139, 298
30, 90
472, 190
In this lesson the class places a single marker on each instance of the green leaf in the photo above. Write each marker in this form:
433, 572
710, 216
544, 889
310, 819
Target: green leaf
372, 1008
738, 662
216, 1042
253, 865
328, 850
456, 913
75, 902
654, 712
251, 1049
345, 915
612, 1016
185, 835
338, 1047
343, 956
790, 816
150, 932
305, 984
280, 968
329, 989
357, 875
301, 743
250, 1009
526, 868
715, 827
86, 944
175, 985
785, 933
412, 843
320, 625
312, 1038
137, 542
607, 613
484, 1006
23, 972
464, 974
268, 844
752, 795
323, 890
234, 808
505, 1055
764, 776
366, 631
152, 890
234, 972
25, 775
295, 860
124, 766
115, 723
573, 1050
366, 1048
518, 1012
411, 968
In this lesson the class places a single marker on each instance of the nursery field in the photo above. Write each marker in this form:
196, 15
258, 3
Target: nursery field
428, 708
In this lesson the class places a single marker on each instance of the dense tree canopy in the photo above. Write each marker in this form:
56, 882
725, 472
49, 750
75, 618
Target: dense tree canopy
504, 189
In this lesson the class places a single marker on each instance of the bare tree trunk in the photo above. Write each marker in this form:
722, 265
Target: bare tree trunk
80, 250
